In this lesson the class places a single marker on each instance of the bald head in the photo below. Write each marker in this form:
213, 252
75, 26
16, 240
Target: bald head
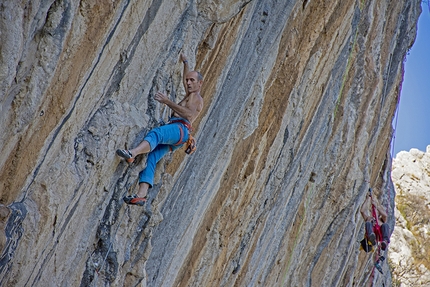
193, 81
195, 74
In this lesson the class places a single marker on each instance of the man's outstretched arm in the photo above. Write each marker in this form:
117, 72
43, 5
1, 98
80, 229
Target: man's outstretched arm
364, 210
189, 112
381, 211
185, 72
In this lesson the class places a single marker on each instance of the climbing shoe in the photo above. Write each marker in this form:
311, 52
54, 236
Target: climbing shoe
372, 238
125, 154
134, 200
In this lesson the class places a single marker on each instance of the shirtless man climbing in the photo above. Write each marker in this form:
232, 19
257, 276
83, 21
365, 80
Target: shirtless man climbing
159, 141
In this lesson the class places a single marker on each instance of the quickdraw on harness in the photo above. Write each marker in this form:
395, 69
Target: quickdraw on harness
191, 142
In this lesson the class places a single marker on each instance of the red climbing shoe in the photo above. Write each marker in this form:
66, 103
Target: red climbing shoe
125, 154
134, 200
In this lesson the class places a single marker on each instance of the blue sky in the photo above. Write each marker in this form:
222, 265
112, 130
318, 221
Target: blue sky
413, 123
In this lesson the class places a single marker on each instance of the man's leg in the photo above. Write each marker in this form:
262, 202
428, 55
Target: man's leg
129, 155
146, 176
143, 190
168, 135
143, 147
370, 235
162, 140
385, 232
385, 236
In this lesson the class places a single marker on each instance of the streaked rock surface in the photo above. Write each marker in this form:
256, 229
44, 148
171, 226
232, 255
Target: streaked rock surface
299, 99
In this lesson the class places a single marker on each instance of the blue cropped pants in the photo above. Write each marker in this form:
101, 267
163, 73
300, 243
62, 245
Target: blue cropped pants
161, 141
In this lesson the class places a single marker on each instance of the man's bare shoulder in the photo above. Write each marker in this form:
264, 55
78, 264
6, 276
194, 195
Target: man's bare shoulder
195, 98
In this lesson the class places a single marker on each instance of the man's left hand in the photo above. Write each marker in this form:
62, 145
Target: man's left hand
160, 97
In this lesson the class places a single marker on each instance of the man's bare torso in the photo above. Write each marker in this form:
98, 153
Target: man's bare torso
193, 102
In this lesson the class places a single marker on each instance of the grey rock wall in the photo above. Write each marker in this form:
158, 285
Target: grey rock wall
299, 98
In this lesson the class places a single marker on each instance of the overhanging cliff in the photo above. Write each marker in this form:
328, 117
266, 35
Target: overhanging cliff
299, 98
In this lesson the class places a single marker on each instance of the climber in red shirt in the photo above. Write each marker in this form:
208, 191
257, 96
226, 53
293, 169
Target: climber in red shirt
376, 217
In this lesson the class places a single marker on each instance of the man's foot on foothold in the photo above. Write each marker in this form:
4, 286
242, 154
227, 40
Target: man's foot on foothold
134, 200
125, 154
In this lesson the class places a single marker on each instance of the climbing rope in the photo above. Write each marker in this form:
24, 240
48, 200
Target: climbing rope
378, 258
96, 275
393, 142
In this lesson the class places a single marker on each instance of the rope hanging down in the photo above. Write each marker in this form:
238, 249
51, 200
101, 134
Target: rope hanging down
96, 275
393, 141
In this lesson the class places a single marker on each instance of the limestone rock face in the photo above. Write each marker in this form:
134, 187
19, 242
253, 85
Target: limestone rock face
299, 98
410, 253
